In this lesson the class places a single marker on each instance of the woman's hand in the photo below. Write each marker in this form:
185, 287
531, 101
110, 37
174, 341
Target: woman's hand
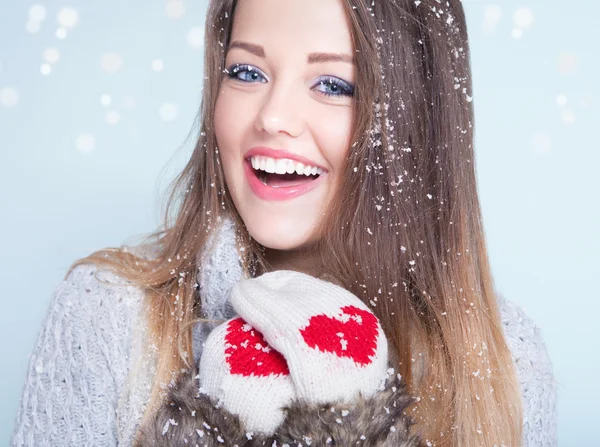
334, 345
241, 372
305, 362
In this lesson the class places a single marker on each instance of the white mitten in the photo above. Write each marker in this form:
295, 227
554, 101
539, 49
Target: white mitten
334, 345
247, 377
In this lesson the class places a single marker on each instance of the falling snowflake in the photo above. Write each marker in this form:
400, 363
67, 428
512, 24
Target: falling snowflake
51, 55
85, 143
37, 13
541, 143
523, 18
492, 15
9, 96
68, 17
113, 117
111, 62
158, 65
568, 116
105, 100
195, 38
168, 112
175, 9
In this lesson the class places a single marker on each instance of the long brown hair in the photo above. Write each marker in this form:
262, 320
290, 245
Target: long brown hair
404, 232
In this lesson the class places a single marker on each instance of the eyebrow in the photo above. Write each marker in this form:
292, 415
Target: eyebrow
313, 58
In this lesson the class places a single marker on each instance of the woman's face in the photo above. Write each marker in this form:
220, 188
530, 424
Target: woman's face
285, 105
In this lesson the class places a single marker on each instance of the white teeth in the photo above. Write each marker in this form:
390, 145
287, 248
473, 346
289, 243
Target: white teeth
291, 167
283, 166
270, 165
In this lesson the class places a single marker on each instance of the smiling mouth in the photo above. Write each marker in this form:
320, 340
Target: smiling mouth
283, 180
275, 180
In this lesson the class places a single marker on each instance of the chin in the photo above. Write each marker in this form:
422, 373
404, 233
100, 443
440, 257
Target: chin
279, 234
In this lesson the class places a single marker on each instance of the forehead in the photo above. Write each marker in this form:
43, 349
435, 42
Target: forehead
300, 25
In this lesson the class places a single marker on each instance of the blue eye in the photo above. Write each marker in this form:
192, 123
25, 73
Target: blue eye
239, 68
336, 87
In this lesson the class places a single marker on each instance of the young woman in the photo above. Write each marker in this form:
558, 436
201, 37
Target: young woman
329, 218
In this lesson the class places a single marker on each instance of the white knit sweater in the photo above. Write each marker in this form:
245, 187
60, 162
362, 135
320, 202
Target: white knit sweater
77, 390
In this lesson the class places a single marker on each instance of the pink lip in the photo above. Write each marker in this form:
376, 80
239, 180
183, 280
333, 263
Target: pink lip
266, 192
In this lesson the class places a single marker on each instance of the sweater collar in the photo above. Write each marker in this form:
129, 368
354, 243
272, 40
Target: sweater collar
222, 269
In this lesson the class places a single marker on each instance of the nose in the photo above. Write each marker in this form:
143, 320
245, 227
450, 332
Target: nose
280, 112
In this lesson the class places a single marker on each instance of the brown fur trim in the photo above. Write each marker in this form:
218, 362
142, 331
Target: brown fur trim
188, 418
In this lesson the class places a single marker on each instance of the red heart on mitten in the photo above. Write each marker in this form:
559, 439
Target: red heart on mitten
352, 334
247, 353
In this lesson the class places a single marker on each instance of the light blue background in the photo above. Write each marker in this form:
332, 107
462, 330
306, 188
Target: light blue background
538, 175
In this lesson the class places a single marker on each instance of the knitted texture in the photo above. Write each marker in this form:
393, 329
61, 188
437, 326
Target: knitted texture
332, 342
79, 364
307, 339
535, 373
246, 376
189, 418
221, 270
76, 390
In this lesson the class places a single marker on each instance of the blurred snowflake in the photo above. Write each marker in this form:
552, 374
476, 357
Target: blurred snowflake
111, 62
175, 9
9, 96
491, 18
168, 112
85, 143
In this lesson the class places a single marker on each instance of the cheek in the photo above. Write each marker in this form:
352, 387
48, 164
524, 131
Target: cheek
229, 129
225, 121
333, 135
